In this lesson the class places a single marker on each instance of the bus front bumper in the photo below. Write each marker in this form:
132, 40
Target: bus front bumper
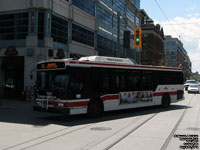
59, 110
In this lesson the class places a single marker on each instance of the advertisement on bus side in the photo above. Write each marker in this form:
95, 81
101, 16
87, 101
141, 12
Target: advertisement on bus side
135, 97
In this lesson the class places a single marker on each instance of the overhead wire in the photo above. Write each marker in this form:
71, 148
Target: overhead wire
166, 17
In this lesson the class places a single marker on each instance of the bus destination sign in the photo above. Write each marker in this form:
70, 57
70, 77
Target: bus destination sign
51, 65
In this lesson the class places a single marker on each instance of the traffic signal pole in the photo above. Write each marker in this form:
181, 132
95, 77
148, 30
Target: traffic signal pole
118, 33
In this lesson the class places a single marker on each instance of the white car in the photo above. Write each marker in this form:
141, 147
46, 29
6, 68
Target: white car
193, 88
189, 82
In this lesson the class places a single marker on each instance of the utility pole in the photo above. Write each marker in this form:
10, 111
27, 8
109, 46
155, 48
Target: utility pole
118, 33
126, 22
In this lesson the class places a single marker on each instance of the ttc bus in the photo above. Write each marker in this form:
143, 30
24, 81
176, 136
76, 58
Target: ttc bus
94, 84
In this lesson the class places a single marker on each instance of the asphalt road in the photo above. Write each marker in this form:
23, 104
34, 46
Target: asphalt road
151, 128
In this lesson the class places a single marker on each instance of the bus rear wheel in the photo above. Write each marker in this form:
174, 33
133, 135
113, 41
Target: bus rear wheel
95, 108
165, 101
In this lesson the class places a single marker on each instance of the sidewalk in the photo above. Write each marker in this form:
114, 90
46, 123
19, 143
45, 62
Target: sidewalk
15, 104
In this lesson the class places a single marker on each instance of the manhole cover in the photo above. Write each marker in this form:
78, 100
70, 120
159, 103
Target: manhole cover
193, 128
101, 128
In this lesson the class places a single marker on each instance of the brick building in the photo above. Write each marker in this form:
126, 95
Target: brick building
152, 42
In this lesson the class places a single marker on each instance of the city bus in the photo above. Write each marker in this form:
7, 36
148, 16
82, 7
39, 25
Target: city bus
95, 84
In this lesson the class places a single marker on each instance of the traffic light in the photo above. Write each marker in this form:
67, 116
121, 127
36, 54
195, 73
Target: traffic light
126, 39
137, 38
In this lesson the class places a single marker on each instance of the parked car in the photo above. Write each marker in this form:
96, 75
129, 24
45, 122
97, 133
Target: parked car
189, 82
193, 88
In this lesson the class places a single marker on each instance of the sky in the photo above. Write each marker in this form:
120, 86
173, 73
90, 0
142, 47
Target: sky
180, 19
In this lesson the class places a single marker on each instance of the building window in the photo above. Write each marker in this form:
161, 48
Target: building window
104, 43
107, 2
167, 45
41, 25
119, 5
82, 35
115, 22
173, 43
14, 26
136, 3
104, 17
59, 30
86, 5
122, 25
137, 21
130, 15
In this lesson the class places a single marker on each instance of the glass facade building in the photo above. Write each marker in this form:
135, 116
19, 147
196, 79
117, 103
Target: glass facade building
37, 30
21, 24
176, 55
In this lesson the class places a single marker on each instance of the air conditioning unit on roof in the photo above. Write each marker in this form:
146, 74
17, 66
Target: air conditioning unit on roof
105, 59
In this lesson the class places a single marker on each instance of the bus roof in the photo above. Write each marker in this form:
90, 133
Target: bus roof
104, 59
109, 62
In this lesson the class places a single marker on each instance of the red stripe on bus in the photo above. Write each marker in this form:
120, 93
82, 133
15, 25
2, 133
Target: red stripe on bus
172, 93
77, 104
158, 94
161, 93
109, 97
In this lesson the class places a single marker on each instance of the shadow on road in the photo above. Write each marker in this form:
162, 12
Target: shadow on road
22, 113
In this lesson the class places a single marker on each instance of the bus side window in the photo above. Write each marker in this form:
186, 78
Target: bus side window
99, 80
147, 80
76, 84
118, 79
105, 82
133, 81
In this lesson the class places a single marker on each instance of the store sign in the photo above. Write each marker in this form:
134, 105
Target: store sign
11, 51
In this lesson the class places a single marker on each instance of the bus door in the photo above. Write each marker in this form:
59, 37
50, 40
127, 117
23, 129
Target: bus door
79, 83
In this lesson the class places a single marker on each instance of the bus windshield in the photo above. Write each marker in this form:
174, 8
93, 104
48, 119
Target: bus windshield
53, 81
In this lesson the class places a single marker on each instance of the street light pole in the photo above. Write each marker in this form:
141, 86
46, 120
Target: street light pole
118, 33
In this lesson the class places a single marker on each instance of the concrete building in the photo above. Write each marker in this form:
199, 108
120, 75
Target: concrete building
35, 30
152, 42
176, 55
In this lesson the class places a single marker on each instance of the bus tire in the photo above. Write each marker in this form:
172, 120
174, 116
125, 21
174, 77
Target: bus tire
165, 101
95, 108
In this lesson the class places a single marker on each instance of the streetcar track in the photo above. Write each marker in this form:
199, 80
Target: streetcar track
49, 139
61, 135
125, 135
115, 133
164, 146
109, 146
131, 131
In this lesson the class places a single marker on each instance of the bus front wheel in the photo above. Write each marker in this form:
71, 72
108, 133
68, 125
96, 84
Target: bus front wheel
165, 101
95, 108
